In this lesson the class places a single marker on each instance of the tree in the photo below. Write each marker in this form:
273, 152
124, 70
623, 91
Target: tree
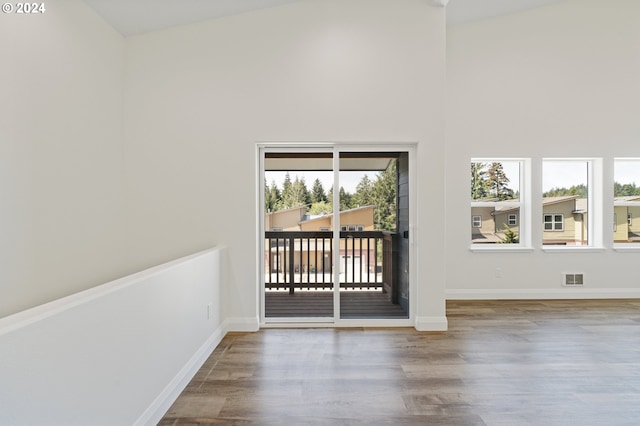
579, 190
295, 194
498, 182
364, 192
321, 207
384, 198
510, 236
272, 197
345, 200
317, 192
479, 183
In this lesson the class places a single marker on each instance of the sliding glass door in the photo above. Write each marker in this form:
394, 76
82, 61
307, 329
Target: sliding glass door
335, 231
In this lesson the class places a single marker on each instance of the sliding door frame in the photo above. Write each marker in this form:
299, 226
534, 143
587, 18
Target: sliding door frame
335, 148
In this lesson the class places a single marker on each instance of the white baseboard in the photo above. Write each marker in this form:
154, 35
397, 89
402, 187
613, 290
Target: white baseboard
154, 413
242, 324
432, 323
560, 293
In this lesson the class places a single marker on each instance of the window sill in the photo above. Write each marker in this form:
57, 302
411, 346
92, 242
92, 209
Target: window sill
574, 249
627, 248
503, 248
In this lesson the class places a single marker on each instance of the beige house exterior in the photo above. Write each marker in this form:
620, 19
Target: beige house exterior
564, 221
314, 254
626, 227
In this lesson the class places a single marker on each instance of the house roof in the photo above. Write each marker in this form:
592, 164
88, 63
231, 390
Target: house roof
328, 215
555, 200
628, 198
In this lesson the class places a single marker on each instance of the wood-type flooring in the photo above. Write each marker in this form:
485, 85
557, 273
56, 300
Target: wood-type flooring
501, 363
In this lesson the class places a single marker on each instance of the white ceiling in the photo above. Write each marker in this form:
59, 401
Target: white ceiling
132, 17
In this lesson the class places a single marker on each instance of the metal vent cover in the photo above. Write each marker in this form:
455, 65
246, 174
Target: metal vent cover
572, 279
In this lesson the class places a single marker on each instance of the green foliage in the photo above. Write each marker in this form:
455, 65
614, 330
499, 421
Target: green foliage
364, 193
384, 198
579, 190
317, 192
510, 236
625, 190
272, 197
320, 207
498, 182
490, 181
380, 193
295, 194
479, 183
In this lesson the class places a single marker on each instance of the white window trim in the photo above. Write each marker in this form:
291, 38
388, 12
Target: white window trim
626, 247
595, 205
524, 205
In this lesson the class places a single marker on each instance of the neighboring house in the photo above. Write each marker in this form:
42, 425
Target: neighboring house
626, 220
564, 221
285, 220
314, 253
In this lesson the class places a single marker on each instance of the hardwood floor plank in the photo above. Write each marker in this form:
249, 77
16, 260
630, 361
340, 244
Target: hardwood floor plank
501, 363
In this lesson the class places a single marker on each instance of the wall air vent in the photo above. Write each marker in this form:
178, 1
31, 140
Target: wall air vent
572, 280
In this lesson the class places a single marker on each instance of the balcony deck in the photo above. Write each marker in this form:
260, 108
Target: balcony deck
353, 305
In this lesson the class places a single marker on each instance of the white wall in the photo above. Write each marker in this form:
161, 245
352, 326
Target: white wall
557, 81
116, 354
61, 176
200, 97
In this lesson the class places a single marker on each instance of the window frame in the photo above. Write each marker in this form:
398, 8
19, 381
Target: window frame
473, 221
523, 204
595, 204
624, 246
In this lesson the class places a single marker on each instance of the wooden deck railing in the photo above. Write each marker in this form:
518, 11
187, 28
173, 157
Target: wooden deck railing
304, 260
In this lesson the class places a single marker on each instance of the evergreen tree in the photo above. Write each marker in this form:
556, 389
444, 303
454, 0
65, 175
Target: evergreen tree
364, 192
384, 197
272, 197
579, 190
317, 192
479, 183
295, 194
498, 182
345, 200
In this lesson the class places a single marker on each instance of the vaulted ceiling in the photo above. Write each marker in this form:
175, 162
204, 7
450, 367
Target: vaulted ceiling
132, 17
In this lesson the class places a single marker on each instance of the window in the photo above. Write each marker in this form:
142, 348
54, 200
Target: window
554, 222
626, 201
568, 201
497, 202
323, 229
343, 228
276, 229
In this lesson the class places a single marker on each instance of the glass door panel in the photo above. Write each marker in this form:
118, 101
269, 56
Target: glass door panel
373, 218
298, 236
